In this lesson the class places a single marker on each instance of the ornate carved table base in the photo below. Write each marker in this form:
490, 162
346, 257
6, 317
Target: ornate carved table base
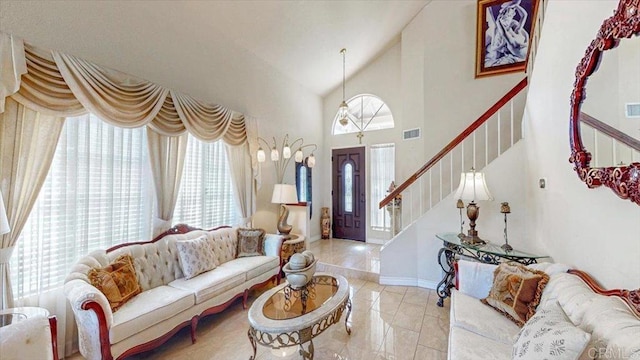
284, 317
301, 337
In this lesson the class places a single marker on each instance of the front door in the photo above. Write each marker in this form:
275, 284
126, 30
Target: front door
349, 197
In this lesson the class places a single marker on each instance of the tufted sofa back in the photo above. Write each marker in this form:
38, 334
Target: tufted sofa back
224, 243
157, 263
614, 328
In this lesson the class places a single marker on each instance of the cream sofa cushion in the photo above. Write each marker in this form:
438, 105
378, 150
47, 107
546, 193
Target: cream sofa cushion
571, 293
26, 339
196, 256
467, 345
147, 309
253, 265
469, 313
549, 334
615, 331
207, 285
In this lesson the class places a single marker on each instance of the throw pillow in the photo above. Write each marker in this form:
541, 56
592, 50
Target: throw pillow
549, 334
516, 291
196, 256
117, 281
250, 242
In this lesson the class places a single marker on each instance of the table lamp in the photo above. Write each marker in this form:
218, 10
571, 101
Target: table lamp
473, 187
284, 194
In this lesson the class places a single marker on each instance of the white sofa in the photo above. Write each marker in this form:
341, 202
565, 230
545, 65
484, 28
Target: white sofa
168, 302
477, 331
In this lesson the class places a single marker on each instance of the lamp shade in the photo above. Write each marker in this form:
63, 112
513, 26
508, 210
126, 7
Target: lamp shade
473, 187
284, 194
4, 222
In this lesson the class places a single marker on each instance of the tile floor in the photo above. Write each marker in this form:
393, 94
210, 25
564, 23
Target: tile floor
348, 253
387, 322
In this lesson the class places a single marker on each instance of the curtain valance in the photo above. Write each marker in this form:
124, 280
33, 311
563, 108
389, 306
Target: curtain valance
63, 85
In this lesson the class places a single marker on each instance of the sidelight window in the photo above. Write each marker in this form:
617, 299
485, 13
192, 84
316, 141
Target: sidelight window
348, 188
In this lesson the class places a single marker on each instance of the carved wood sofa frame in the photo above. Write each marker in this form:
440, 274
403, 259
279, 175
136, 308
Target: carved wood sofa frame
104, 332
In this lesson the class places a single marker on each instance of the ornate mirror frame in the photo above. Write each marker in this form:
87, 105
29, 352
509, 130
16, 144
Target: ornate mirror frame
623, 180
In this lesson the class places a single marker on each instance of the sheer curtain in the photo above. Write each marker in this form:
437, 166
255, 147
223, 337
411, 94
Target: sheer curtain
382, 174
207, 196
98, 193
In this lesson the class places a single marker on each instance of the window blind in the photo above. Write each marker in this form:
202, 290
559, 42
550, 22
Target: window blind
382, 174
98, 193
206, 197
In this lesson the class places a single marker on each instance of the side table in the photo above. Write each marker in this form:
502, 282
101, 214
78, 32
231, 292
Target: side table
294, 244
486, 253
17, 314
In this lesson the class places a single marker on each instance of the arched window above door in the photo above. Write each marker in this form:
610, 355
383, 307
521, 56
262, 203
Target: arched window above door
366, 113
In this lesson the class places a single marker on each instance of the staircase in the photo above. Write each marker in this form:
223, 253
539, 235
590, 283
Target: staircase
490, 136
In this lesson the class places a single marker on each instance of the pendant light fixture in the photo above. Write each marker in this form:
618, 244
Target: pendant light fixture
343, 110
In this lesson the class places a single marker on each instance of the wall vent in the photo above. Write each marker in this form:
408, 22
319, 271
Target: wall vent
632, 110
411, 134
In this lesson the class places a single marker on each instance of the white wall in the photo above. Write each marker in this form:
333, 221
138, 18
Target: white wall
428, 82
411, 257
591, 229
280, 104
381, 78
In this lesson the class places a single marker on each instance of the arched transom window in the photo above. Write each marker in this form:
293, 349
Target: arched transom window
366, 113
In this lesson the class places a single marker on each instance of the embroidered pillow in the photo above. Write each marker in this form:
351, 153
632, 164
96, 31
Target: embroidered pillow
549, 334
117, 281
516, 291
196, 256
250, 242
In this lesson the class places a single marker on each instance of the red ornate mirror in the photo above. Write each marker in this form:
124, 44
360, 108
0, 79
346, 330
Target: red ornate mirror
623, 179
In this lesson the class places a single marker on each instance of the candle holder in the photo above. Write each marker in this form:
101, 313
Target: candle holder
505, 209
460, 206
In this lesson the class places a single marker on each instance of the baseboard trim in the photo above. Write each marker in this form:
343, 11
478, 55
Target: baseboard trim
407, 281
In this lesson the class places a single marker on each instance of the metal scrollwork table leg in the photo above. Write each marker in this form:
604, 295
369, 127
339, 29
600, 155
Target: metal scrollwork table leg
346, 318
445, 285
252, 340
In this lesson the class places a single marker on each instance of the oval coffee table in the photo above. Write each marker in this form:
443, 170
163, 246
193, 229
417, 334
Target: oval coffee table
284, 317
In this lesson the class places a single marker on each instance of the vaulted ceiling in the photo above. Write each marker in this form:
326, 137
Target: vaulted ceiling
300, 39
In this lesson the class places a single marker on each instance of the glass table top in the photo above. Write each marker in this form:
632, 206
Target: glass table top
490, 248
288, 303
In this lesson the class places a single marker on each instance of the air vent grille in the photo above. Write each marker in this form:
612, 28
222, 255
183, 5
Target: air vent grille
411, 134
632, 110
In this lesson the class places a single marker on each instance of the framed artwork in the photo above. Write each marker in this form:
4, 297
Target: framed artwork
503, 35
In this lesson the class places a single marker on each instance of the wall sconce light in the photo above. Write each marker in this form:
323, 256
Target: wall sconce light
473, 187
281, 163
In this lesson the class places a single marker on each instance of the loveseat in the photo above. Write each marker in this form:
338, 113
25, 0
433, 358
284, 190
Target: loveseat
167, 301
583, 318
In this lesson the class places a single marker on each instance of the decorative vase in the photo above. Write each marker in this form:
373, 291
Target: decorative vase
325, 222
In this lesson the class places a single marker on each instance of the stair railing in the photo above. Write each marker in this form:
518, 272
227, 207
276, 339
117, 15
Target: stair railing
495, 131
610, 146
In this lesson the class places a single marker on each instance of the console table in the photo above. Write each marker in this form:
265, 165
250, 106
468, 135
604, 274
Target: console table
487, 253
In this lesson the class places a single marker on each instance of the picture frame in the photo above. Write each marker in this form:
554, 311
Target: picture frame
504, 32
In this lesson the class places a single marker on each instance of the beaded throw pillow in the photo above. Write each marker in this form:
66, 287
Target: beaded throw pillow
516, 291
196, 256
117, 281
250, 242
549, 334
